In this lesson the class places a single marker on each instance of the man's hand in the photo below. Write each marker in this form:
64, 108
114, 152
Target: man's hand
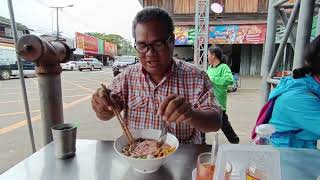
101, 105
175, 109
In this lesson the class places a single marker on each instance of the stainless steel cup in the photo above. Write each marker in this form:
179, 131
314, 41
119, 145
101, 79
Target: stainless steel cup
64, 140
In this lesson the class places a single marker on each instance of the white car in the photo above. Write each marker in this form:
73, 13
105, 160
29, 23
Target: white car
71, 65
89, 63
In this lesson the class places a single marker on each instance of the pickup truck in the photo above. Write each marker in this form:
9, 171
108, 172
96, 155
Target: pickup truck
123, 62
89, 63
9, 66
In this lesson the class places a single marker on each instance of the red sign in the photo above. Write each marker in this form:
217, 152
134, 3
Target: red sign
110, 49
87, 43
251, 34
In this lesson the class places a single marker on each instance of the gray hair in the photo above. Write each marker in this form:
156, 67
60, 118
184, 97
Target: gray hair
148, 14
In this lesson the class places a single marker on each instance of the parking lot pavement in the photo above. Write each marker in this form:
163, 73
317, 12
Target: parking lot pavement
77, 88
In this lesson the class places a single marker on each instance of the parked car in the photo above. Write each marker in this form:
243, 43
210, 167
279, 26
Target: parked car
89, 63
9, 66
122, 62
10, 69
71, 65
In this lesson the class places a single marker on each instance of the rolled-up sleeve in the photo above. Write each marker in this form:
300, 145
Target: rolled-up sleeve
117, 90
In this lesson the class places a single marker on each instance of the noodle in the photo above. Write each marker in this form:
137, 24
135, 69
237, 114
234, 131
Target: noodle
147, 149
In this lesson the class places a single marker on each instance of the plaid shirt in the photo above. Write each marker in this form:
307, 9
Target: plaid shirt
141, 97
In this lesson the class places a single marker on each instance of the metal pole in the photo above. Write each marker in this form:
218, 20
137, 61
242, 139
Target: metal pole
318, 23
201, 33
206, 40
284, 41
47, 56
196, 32
58, 24
285, 20
22, 82
279, 3
303, 32
269, 49
291, 5
274, 81
51, 104
284, 59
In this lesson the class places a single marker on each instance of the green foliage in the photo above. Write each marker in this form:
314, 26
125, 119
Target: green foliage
124, 46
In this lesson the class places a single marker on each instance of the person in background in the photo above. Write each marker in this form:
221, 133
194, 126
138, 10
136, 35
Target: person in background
296, 112
221, 77
161, 87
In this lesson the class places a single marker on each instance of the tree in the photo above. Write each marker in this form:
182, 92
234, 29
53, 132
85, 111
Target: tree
19, 25
124, 46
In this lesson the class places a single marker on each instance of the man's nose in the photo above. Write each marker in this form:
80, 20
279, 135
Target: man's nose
151, 51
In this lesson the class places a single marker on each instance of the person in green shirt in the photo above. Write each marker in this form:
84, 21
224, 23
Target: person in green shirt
221, 77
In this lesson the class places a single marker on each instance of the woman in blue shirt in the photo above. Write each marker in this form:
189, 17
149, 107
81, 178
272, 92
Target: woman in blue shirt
296, 112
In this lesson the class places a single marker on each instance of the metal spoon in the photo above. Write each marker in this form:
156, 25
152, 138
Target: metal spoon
163, 137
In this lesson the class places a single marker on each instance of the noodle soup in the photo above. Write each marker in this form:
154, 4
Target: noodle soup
147, 149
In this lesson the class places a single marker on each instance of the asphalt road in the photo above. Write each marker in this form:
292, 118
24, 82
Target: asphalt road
77, 88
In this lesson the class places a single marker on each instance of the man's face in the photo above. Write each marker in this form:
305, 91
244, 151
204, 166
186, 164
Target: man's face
157, 59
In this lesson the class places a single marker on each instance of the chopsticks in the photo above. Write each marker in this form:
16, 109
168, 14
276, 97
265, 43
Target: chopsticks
119, 117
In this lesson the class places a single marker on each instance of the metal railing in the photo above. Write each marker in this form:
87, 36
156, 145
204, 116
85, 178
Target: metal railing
299, 38
201, 33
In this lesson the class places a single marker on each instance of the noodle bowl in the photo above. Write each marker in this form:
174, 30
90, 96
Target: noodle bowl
147, 149
145, 157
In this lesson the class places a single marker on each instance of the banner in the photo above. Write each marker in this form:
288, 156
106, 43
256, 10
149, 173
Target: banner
223, 34
87, 43
251, 34
110, 49
101, 46
238, 34
184, 35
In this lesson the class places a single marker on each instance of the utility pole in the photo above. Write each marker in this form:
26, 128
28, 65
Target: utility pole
58, 32
57, 9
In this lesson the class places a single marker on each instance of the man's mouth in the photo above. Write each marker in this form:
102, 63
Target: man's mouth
153, 63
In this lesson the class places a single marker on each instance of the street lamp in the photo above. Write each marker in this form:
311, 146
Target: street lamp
57, 8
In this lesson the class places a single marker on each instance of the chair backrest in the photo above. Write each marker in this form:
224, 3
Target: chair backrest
264, 116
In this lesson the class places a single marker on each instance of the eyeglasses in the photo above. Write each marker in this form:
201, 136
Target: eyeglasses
156, 46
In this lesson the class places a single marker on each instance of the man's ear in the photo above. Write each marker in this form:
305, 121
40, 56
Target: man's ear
173, 39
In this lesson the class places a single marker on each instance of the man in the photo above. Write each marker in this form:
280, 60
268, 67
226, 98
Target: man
160, 88
221, 77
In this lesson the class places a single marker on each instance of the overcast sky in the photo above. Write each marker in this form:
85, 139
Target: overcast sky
105, 16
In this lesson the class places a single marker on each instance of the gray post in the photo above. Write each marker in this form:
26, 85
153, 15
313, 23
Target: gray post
279, 3
303, 32
58, 33
295, 13
22, 82
284, 41
47, 56
269, 49
318, 23
51, 105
